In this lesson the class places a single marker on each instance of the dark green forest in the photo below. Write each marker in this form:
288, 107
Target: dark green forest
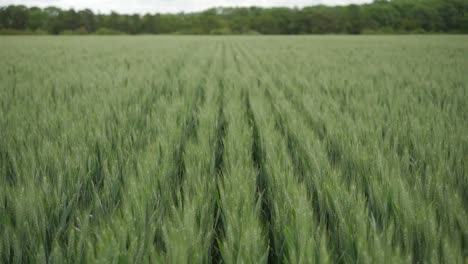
381, 16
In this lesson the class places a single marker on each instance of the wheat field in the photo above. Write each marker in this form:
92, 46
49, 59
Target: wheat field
241, 149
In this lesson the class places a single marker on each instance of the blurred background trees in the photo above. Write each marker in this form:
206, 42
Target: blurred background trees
381, 16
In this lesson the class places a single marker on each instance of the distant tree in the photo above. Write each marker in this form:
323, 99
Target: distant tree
3, 18
319, 20
115, 21
37, 18
266, 23
16, 17
69, 19
353, 19
149, 24
464, 23
427, 18
378, 16
133, 24
87, 20
239, 20
210, 21
54, 23
283, 17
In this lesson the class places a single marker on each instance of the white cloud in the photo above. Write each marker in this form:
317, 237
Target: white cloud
172, 6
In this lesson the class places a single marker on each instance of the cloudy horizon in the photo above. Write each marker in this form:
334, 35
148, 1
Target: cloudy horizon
170, 6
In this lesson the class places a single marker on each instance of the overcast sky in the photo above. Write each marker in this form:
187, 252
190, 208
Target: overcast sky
168, 6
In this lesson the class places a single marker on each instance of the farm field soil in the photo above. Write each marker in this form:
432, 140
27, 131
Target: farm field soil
239, 149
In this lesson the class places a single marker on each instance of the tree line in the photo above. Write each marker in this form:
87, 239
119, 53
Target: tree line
381, 16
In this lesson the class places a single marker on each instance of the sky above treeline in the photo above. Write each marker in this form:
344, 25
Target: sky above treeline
169, 6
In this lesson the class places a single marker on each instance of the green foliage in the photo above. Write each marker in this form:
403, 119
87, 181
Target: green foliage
238, 149
382, 17
6, 31
108, 31
82, 31
221, 31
